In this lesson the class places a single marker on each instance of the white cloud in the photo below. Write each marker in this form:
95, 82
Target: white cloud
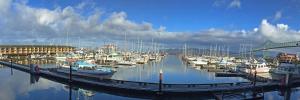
40, 24
278, 33
255, 29
235, 4
4, 5
81, 5
277, 15
218, 3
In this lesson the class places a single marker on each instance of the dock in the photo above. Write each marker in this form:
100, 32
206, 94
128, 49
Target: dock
145, 89
229, 74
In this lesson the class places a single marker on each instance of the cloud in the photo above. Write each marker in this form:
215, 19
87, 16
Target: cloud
218, 3
277, 16
278, 33
38, 25
81, 5
227, 3
68, 25
235, 4
4, 5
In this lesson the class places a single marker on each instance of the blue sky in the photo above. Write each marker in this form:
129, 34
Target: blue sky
193, 15
172, 23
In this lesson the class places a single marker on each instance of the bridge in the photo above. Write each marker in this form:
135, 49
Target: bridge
268, 45
271, 45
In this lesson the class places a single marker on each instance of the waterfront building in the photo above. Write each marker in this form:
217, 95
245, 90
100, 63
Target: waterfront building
34, 49
285, 57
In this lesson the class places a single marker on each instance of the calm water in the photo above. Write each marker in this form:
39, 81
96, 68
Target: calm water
174, 71
17, 85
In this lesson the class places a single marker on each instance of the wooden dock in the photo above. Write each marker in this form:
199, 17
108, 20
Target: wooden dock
145, 89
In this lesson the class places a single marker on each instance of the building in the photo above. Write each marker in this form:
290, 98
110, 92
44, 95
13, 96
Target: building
33, 49
284, 57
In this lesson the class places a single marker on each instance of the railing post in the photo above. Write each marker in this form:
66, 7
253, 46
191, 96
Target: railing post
11, 62
254, 83
254, 78
287, 79
160, 82
70, 74
70, 82
11, 70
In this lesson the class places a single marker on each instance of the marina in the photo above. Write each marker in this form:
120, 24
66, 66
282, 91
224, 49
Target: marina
212, 73
150, 89
149, 50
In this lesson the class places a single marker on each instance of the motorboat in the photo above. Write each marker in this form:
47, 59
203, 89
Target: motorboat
83, 67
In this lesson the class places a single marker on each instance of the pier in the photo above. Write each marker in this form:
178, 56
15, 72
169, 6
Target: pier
146, 89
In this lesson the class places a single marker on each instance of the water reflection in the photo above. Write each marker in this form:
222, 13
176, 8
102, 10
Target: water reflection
23, 86
34, 78
79, 93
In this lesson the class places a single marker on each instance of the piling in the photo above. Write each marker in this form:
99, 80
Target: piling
11, 70
11, 62
70, 83
160, 82
287, 79
70, 74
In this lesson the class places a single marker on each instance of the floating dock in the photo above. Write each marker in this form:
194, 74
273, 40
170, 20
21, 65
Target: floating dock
146, 89
229, 74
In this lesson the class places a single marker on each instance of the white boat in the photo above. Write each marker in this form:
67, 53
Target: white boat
285, 68
64, 64
190, 58
123, 62
198, 62
225, 63
259, 67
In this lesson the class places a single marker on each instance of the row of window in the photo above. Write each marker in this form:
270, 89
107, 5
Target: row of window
32, 48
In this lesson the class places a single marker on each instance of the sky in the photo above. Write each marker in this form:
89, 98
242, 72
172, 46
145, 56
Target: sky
170, 23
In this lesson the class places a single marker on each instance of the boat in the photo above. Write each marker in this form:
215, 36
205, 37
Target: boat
199, 62
285, 68
64, 64
224, 63
124, 62
258, 66
83, 67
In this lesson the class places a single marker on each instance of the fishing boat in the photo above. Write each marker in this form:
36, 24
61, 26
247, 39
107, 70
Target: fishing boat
258, 66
